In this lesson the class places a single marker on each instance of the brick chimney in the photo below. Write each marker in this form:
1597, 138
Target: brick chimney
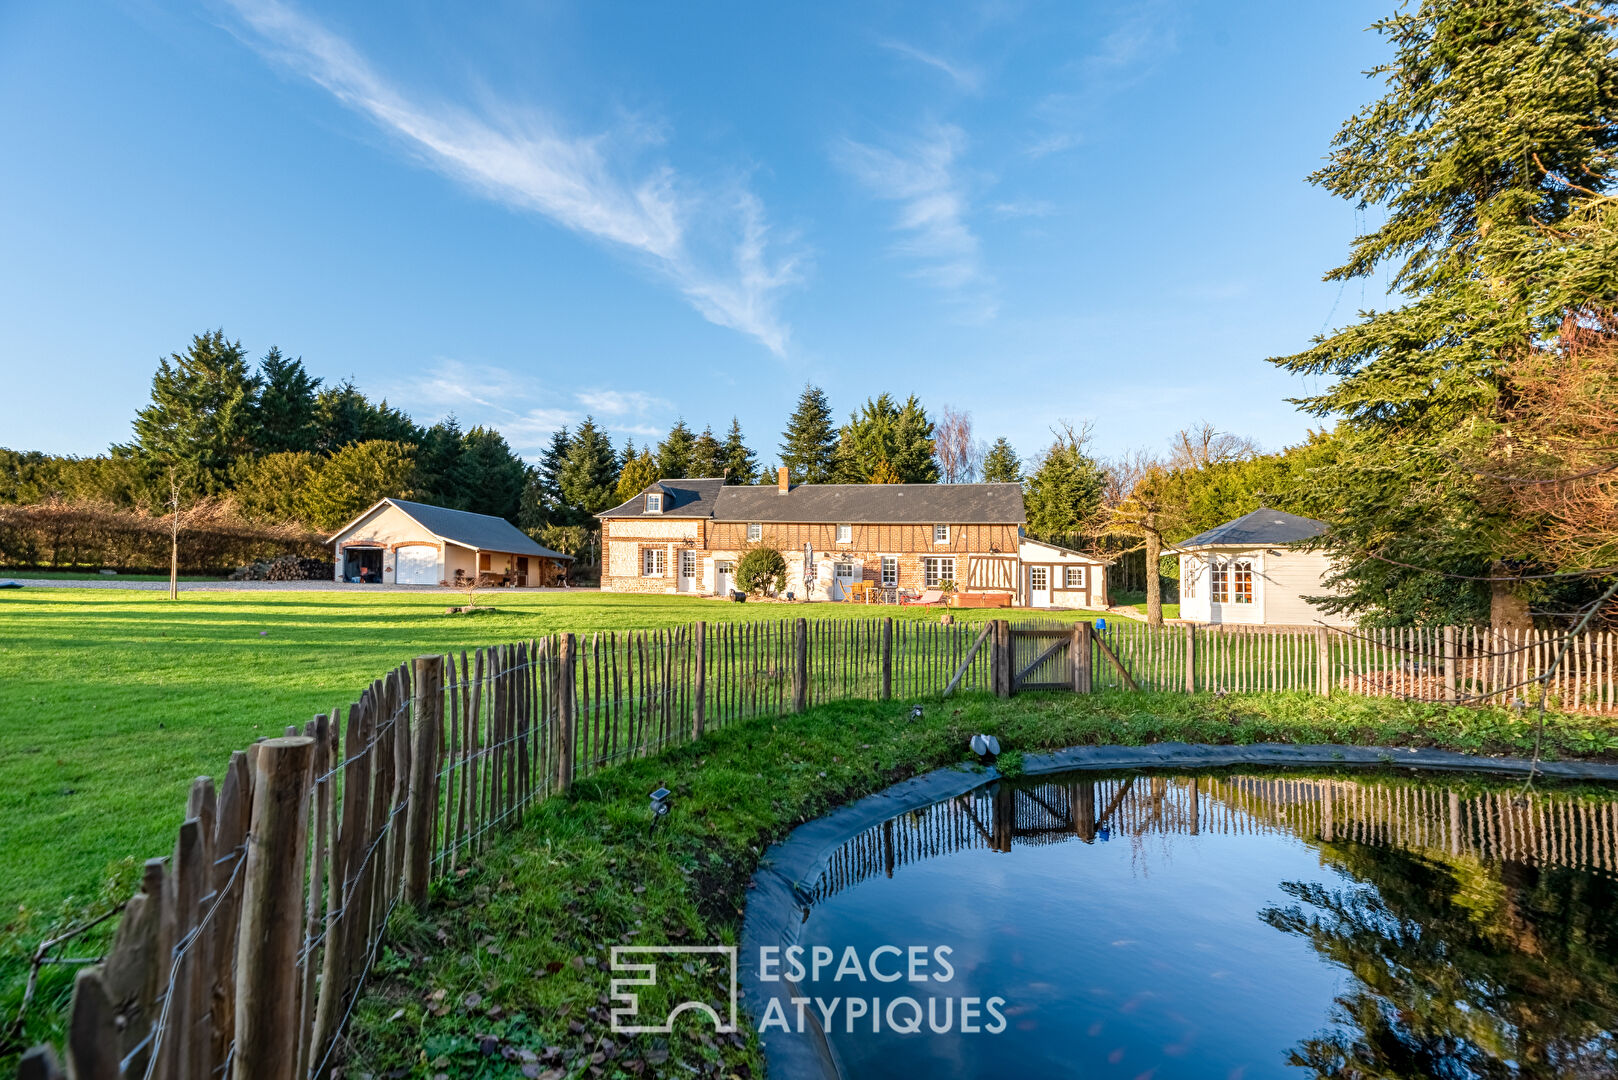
782, 486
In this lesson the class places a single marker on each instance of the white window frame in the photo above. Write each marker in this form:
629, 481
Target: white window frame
845, 534
654, 562
890, 571
1243, 572
1218, 583
1188, 587
940, 534
933, 570
690, 555
755, 532
1042, 571
654, 504
1073, 577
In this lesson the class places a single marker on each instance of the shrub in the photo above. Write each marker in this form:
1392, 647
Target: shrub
761, 570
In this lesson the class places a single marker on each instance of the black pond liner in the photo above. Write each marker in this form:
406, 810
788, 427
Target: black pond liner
789, 869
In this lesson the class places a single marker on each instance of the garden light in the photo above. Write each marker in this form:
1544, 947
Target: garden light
660, 805
915, 712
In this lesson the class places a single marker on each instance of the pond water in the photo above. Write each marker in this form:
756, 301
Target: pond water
1238, 926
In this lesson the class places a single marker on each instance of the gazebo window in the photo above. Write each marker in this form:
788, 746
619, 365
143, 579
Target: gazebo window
1241, 581
1218, 583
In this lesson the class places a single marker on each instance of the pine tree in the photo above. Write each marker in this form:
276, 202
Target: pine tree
676, 452
488, 476
542, 498
1001, 464
886, 440
740, 466
639, 473
808, 446
1064, 491
201, 419
707, 455
344, 415
1497, 114
285, 415
438, 461
589, 475
914, 459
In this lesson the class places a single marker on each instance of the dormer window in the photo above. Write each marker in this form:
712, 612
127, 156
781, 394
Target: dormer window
940, 534
845, 534
654, 504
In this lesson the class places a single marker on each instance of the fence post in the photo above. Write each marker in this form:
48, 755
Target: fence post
1002, 658
1449, 664
699, 692
887, 658
1190, 658
427, 734
271, 928
800, 667
1323, 660
566, 706
1082, 653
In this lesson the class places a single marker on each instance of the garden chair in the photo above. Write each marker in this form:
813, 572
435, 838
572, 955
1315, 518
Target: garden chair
931, 596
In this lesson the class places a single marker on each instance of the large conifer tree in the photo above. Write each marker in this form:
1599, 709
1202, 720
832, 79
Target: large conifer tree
809, 443
285, 417
741, 467
201, 419
589, 476
1001, 465
677, 452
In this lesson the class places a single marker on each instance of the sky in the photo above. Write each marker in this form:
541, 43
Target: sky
523, 213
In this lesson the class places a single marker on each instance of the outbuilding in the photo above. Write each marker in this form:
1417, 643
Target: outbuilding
1254, 571
398, 542
1059, 577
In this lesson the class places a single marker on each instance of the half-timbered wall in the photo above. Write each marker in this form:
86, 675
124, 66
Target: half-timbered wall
891, 539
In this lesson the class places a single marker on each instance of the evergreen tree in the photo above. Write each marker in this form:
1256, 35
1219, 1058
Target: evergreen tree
544, 497
707, 455
1064, 491
589, 475
1498, 114
488, 476
275, 488
438, 461
914, 458
1001, 464
739, 464
201, 419
344, 415
809, 444
356, 477
285, 416
676, 453
638, 474
886, 443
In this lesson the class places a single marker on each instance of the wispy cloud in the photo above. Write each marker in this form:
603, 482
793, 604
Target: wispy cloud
920, 175
967, 78
1128, 52
526, 409
1023, 208
711, 242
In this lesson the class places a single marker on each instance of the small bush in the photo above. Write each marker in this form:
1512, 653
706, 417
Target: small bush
761, 570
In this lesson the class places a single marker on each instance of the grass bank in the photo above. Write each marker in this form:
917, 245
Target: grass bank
115, 699
509, 970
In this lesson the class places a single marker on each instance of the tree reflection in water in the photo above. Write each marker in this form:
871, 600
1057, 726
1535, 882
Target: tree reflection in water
1461, 968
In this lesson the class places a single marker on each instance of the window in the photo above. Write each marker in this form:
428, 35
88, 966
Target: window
1039, 578
846, 570
654, 504
1075, 577
1241, 581
755, 531
652, 562
1188, 587
1218, 583
936, 570
688, 564
845, 534
890, 571
940, 534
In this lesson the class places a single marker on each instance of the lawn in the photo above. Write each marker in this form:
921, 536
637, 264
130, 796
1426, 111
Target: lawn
510, 966
1136, 601
114, 700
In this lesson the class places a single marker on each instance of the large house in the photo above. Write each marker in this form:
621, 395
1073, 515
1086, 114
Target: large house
398, 542
686, 536
1252, 571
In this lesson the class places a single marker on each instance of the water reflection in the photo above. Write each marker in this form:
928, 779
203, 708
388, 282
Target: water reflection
1458, 927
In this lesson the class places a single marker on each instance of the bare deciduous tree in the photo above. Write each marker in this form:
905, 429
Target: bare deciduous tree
959, 455
1202, 444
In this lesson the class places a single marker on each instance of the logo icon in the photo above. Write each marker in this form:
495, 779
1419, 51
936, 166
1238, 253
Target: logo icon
624, 959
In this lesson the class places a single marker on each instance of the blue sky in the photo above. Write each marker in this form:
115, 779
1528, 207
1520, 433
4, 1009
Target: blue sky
521, 213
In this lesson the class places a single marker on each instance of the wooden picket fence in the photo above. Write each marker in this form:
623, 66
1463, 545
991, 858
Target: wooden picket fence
246, 950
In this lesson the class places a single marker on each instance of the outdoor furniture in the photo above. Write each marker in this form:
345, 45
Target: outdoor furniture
931, 596
859, 590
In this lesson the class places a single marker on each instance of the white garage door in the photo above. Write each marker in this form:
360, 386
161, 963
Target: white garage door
416, 565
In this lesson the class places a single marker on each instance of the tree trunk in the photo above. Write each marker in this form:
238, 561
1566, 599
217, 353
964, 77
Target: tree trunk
1154, 582
1508, 601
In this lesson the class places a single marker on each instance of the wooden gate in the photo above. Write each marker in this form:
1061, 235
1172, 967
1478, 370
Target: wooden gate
1041, 656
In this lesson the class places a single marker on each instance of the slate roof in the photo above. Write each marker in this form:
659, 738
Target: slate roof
684, 499
481, 532
886, 504
1262, 526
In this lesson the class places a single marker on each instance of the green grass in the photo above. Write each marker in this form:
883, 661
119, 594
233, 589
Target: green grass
115, 700
1137, 602
517, 948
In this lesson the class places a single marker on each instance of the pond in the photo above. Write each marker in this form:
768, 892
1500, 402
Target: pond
1239, 926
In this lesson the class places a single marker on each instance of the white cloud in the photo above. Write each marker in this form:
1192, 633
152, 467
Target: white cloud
711, 243
1130, 51
611, 403
1022, 208
966, 78
919, 175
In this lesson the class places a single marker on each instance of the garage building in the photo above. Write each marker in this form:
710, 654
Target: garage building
398, 542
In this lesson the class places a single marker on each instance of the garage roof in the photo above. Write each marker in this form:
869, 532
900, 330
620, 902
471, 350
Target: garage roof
480, 532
